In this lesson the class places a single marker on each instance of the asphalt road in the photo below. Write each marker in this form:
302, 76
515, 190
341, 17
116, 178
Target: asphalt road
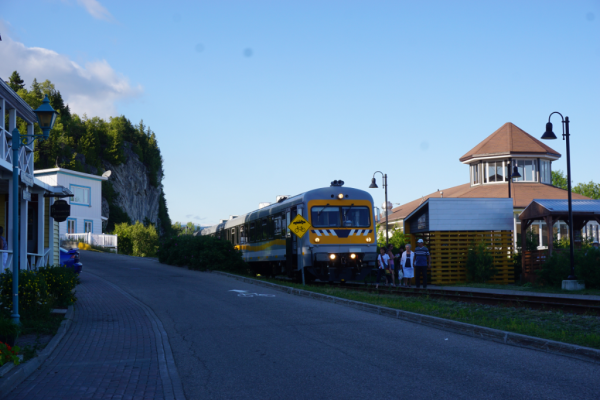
287, 347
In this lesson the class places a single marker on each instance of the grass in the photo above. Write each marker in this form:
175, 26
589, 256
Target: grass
526, 288
583, 330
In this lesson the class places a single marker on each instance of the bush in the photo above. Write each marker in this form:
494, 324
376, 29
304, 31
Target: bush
9, 331
137, 240
201, 253
9, 354
34, 298
60, 281
558, 267
480, 264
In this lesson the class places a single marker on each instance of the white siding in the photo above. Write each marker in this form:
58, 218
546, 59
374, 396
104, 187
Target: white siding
457, 214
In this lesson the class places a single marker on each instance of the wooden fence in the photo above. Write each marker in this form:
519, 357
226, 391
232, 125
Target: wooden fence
449, 254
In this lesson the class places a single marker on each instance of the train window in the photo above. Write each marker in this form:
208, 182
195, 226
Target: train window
252, 231
325, 216
264, 228
356, 217
278, 226
243, 238
233, 236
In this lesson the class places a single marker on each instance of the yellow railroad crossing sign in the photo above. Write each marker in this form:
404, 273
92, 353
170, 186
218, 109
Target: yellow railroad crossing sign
299, 226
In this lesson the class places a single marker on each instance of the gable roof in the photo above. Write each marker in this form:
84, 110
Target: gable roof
523, 193
509, 140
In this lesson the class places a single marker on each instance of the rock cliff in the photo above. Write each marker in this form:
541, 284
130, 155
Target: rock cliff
134, 193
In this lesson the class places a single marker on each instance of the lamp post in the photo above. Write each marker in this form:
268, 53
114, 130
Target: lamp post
385, 186
46, 117
515, 174
549, 135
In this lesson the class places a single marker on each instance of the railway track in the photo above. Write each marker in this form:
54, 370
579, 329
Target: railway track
570, 305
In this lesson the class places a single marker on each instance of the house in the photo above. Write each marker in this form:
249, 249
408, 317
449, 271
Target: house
86, 203
37, 230
490, 163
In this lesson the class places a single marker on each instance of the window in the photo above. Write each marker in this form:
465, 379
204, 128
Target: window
243, 238
71, 226
495, 171
264, 229
355, 217
475, 174
252, 232
82, 195
545, 172
88, 226
325, 216
527, 169
278, 226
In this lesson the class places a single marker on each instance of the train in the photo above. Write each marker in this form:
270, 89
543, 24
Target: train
340, 245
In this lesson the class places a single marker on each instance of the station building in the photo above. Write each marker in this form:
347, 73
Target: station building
490, 163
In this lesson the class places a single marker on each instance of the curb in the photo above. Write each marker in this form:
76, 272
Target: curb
22, 371
494, 335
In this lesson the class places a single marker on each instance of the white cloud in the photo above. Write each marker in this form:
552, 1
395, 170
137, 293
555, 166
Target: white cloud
92, 89
96, 10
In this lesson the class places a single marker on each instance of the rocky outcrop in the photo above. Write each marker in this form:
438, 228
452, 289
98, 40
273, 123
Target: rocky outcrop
135, 195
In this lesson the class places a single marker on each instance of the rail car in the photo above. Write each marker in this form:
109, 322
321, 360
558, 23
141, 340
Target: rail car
341, 244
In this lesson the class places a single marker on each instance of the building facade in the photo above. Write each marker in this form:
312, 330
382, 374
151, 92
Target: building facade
491, 163
86, 203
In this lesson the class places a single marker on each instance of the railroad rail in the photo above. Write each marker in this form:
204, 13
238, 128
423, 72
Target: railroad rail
566, 304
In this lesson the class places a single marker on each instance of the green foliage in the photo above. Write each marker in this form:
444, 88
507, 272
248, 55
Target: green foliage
163, 215
201, 253
137, 240
9, 354
15, 82
9, 331
60, 282
34, 298
559, 179
480, 264
558, 267
590, 189
397, 239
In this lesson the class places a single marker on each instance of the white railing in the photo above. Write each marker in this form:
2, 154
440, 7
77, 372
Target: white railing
94, 239
25, 152
6, 262
36, 261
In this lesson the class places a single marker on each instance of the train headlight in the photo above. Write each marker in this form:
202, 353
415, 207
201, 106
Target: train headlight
332, 256
317, 240
353, 256
369, 240
340, 196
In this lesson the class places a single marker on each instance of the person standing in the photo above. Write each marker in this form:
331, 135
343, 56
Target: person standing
382, 263
422, 263
407, 263
390, 253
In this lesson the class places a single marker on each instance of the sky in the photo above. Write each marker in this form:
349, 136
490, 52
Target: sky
253, 99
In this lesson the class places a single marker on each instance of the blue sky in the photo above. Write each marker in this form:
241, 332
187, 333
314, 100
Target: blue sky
253, 99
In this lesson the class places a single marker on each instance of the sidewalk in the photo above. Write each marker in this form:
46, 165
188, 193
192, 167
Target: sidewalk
566, 294
113, 350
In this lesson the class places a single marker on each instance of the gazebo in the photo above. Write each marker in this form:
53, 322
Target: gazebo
552, 211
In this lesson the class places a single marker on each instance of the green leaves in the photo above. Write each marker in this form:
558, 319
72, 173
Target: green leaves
590, 189
137, 240
480, 264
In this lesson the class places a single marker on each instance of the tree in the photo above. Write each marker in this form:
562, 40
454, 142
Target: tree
590, 189
15, 82
559, 180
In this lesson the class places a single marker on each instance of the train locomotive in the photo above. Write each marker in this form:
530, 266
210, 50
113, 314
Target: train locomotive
340, 245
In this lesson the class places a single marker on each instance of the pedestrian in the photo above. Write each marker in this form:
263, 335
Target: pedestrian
407, 263
382, 263
3, 246
390, 253
422, 263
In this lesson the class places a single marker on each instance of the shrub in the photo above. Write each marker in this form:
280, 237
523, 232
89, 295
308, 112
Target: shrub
9, 331
60, 281
9, 354
558, 267
480, 264
34, 299
83, 246
201, 253
137, 240
587, 267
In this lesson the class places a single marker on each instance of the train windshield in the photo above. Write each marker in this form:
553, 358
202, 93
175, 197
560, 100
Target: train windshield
355, 217
325, 216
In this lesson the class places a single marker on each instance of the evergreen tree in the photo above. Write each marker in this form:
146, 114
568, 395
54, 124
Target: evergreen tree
15, 82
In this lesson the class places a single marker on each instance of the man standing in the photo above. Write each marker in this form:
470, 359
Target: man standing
422, 263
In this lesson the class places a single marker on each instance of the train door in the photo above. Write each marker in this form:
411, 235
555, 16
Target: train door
291, 243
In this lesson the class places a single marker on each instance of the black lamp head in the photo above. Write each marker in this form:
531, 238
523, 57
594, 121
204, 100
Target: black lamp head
515, 173
549, 135
373, 184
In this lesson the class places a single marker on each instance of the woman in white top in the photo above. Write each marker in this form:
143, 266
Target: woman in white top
382, 264
407, 262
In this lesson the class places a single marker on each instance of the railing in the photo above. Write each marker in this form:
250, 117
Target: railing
36, 261
25, 152
6, 258
94, 239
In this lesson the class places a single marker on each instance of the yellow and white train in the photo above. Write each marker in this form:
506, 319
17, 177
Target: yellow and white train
340, 245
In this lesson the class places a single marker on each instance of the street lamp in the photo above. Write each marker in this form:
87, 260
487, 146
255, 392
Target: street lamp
515, 174
385, 186
549, 135
46, 118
